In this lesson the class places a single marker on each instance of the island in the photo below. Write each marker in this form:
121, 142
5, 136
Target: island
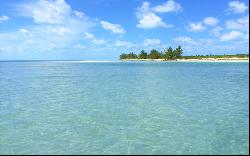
176, 54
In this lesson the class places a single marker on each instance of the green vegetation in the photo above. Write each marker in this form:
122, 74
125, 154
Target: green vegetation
216, 56
169, 54
143, 55
154, 54
128, 56
173, 54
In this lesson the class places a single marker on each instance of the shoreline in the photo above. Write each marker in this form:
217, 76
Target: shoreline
139, 60
193, 60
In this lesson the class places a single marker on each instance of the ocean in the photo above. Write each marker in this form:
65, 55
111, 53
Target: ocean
70, 107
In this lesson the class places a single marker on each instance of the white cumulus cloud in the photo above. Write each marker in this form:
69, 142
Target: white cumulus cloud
148, 19
90, 37
233, 35
55, 12
237, 7
169, 6
196, 27
211, 21
79, 14
52, 12
241, 24
201, 26
56, 28
114, 28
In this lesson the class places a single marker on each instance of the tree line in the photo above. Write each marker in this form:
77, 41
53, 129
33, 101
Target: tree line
216, 56
169, 54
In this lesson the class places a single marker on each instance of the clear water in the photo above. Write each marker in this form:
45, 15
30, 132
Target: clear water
124, 108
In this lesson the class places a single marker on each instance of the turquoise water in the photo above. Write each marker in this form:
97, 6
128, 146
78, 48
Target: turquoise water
124, 108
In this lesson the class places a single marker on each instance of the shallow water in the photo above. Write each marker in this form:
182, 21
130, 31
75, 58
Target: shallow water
51, 107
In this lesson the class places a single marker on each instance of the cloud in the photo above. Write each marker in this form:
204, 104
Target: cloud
51, 12
152, 42
56, 28
201, 26
25, 32
4, 18
233, 35
56, 12
211, 21
185, 40
79, 14
237, 7
40, 38
234, 30
217, 31
241, 24
146, 44
196, 27
114, 28
148, 19
216, 46
81, 47
169, 6
119, 43
90, 37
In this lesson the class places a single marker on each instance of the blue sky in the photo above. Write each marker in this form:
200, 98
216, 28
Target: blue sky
103, 29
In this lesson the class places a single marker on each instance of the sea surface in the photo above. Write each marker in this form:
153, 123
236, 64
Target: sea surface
67, 107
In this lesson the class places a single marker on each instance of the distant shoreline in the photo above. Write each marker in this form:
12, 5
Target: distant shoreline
140, 60
194, 60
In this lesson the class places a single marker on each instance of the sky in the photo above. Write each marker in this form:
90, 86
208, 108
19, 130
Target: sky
103, 29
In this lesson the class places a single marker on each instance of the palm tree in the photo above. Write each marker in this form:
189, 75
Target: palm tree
143, 55
154, 54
